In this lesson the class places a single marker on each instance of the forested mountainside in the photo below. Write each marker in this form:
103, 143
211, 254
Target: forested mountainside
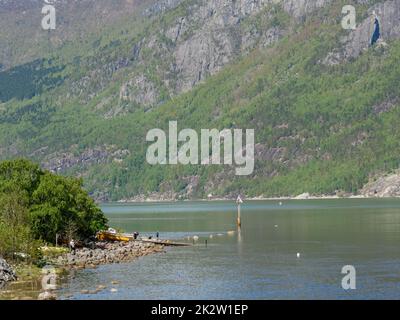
323, 100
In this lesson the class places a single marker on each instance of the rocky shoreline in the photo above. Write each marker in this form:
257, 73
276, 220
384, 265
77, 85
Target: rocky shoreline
380, 186
7, 274
92, 255
98, 253
304, 196
142, 199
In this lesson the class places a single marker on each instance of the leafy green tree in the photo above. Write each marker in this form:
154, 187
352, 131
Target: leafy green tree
46, 203
20, 174
15, 234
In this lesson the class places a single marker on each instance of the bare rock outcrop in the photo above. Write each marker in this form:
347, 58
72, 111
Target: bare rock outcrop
161, 6
7, 274
61, 161
386, 16
139, 90
219, 36
383, 187
386, 105
299, 8
203, 40
303, 196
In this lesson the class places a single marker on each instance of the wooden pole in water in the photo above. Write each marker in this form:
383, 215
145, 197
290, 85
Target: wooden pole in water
239, 221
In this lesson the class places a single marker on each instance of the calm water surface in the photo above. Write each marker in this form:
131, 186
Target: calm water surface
261, 261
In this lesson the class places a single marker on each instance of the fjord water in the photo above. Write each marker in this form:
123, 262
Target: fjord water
261, 261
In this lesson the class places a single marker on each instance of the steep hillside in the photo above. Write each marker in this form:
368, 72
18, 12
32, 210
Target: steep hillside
22, 38
323, 101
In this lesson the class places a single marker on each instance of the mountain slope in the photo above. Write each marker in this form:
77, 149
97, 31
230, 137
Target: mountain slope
22, 38
325, 120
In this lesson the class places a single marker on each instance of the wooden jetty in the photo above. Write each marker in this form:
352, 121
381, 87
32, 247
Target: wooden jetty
165, 242
126, 237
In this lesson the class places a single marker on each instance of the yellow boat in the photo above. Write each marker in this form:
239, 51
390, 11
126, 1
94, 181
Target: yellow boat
111, 236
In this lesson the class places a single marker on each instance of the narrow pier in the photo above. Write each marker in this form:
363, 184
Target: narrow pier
165, 242
127, 237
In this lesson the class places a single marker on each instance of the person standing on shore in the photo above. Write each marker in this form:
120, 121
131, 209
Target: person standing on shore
72, 245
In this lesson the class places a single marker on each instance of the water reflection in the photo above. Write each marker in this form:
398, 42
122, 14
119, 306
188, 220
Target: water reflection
239, 240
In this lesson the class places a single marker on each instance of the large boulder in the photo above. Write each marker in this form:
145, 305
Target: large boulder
383, 187
6, 273
47, 295
303, 196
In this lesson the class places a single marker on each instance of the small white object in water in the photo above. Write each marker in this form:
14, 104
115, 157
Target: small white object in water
113, 290
298, 254
195, 238
230, 233
280, 203
219, 234
211, 236
276, 226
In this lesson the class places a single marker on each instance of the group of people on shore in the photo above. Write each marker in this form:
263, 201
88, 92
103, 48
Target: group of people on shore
136, 235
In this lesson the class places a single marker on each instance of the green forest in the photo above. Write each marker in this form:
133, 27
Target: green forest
38, 207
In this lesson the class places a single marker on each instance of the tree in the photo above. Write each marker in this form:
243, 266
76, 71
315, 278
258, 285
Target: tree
14, 229
21, 175
45, 203
71, 230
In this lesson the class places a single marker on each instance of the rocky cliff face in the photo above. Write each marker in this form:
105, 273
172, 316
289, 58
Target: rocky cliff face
386, 16
220, 35
201, 38
383, 187
205, 38
299, 8
59, 162
161, 6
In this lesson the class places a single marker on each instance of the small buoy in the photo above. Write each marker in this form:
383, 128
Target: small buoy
276, 226
211, 236
195, 238
298, 254
280, 203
